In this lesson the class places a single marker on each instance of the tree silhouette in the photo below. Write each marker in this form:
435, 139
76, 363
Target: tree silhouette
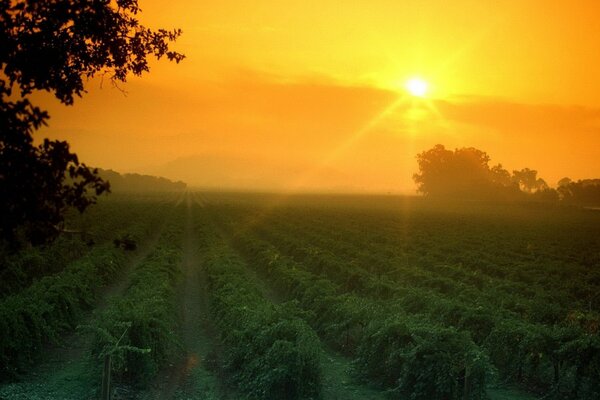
585, 192
461, 173
54, 46
564, 182
501, 176
528, 181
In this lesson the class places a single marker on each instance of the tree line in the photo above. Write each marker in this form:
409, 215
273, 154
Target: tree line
466, 173
139, 183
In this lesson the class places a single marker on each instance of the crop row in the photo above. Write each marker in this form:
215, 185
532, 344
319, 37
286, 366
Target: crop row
51, 306
267, 350
54, 304
545, 276
138, 329
99, 225
411, 356
563, 357
529, 255
322, 255
550, 321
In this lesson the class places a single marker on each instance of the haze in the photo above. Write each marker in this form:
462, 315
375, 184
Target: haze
310, 95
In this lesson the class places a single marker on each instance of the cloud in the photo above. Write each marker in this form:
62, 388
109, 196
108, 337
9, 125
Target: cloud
317, 122
245, 109
557, 140
509, 118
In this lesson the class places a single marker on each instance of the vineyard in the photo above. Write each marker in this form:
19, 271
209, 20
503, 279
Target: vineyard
231, 296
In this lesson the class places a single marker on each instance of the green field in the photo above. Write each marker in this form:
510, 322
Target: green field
258, 296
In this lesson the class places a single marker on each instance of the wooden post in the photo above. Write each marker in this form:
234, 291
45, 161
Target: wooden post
106, 378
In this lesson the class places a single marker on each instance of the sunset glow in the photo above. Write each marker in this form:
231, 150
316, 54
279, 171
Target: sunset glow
265, 199
269, 90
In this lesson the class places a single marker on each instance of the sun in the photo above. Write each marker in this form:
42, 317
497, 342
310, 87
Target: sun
417, 87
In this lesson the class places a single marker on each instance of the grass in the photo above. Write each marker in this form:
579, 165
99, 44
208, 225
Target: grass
340, 384
508, 393
62, 375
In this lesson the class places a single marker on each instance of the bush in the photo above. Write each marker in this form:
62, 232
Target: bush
269, 352
49, 307
142, 321
422, 361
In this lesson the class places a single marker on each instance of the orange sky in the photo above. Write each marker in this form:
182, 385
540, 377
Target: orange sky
309, 94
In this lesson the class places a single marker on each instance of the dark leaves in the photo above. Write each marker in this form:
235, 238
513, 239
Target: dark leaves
38, 183
53, 45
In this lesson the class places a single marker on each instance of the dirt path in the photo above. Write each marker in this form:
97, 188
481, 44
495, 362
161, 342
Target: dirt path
191, 377
67, 370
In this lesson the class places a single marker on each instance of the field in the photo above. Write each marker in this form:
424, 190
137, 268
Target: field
232, 296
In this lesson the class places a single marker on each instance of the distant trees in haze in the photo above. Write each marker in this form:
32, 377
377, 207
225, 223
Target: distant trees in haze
139, 183
584, 192
463, 173
528, 181
466, 173
460, 172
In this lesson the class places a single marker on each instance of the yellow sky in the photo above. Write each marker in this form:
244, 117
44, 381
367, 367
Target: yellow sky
309, 94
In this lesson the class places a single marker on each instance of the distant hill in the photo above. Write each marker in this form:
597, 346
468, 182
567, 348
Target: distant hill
227, 172
139, 183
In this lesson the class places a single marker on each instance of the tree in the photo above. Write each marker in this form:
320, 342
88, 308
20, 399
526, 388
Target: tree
528, 181
564, 182
463, 173
585, 192
500, 176
54, 46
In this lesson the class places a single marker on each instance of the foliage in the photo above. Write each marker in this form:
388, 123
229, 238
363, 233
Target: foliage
49, 307
423, 309
51, 299
465, 173
140, 183
55, 46
38, 183
528, 181
423, 361
524, 298
584, 192
99, 225
147, 311
270, 353
429, 364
